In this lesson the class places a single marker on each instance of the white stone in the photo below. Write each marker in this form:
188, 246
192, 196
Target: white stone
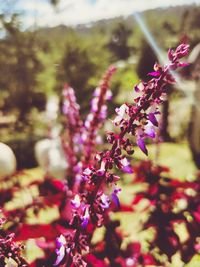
50, 156
8, 161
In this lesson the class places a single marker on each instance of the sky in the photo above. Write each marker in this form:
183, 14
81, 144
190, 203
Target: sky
73, 12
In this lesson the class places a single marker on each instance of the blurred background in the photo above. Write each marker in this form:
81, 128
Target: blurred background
46, 43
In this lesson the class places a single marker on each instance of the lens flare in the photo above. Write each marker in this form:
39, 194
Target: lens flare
186, 87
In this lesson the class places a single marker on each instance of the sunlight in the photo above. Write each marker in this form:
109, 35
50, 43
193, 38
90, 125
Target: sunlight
186, 87
150, 38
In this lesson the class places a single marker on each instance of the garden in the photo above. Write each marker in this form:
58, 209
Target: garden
100, 140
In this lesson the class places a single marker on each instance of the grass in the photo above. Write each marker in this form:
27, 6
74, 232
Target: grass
175, 156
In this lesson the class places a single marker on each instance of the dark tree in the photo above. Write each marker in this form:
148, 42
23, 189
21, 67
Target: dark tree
118, 44
146, 61
145, 65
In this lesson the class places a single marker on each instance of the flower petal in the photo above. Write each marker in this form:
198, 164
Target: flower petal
115, 199
153, 119
154, 73
142, 146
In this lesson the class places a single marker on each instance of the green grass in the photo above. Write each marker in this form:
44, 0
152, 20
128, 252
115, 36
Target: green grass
175, 156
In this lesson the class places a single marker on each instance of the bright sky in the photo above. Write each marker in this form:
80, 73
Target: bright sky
72, 12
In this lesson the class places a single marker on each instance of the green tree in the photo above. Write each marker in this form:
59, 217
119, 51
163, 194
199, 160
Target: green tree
19, 66
77, 68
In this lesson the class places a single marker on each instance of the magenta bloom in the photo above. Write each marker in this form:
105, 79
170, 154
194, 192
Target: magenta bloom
154, 73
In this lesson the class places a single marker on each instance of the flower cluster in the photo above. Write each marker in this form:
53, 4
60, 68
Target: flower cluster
97, 114
82, 136
55, 193
84, 200
10, 252
133, 120
72, 137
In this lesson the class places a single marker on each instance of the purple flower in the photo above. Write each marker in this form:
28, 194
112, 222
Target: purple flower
94, 104
103, 112
154, 73
88, 120
108, 95
115, 198
105, 201
137, 89
142, 146
85, 218
101, 171
76, 202
78, 167
149, 130
153, 119
65, 108
182, 50
97, 91
136, 120
126, 167
86, 175
60, 249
